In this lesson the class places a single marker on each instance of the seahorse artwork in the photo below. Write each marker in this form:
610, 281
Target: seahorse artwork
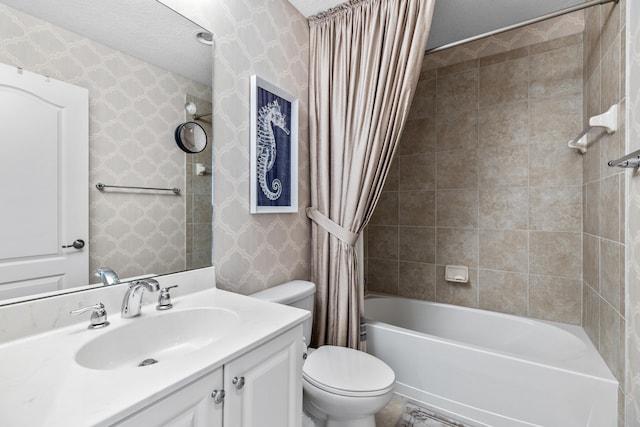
269, 115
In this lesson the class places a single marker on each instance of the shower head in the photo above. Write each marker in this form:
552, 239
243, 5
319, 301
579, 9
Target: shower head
191, 109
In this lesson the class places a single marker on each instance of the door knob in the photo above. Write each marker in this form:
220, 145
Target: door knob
77, 244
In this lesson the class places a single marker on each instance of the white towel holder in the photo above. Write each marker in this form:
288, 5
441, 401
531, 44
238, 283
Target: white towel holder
607, 120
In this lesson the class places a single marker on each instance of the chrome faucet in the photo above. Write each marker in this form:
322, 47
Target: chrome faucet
132, 301
108, 276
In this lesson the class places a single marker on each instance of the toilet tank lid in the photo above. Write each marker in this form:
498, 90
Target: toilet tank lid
288, 292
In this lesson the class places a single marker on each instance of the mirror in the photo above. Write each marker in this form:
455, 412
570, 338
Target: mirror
140, 62
191, 137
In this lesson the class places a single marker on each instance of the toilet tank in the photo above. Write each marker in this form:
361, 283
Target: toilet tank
297, 293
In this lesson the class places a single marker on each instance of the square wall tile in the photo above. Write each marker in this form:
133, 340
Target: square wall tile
417, 172
591, 314
552, 165
457, 170
382, 276
591, 264
418, 137
591, 162
503, 292
418, 244
503, 166
457, 92
417, 281
456, 246
592, 40
612, 273
556, 119
610, 77
504, 208
417, 208
393, 177
383, 241
555, 208
386, 211
464, 294
457, 208
613, 146
610, 208
424, 100
556, 72
612, 340
457, 131
506, 250
555, 253
504, 82
592, 208
505, 124
558, 299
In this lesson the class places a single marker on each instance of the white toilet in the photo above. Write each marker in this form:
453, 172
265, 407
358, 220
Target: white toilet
342, 387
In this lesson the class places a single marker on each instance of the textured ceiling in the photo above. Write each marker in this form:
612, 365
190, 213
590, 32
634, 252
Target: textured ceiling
145, 29
455, 20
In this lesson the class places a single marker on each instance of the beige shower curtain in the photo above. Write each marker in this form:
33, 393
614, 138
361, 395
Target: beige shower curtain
365, 62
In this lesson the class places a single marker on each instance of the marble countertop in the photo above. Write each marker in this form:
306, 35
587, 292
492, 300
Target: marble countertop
42, 384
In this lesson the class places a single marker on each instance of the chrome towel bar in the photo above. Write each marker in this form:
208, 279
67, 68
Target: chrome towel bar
631, 160
100, 186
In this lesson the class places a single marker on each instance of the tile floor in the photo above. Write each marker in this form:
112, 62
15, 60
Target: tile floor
402, 413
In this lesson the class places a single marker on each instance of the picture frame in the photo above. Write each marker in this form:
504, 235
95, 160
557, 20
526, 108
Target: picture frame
274, 149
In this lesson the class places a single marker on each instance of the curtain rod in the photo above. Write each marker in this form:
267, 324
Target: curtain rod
522, 24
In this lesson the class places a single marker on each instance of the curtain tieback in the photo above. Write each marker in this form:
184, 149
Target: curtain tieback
337, 230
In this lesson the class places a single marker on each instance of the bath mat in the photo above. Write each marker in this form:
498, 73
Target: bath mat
414, 416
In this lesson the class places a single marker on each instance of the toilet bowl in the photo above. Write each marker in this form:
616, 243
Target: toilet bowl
342, 387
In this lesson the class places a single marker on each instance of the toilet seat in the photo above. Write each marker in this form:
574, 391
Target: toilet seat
347, 372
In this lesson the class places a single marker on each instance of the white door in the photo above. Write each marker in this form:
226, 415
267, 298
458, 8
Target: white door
44, 170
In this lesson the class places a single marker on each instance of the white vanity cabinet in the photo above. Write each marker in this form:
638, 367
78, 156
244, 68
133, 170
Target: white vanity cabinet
191, 406
262, 388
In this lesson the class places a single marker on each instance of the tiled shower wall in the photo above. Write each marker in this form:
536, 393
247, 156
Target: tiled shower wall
632, 300
603, 314
199, 198
483, 178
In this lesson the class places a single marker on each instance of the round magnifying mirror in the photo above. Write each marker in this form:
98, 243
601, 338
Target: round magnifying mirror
191, 137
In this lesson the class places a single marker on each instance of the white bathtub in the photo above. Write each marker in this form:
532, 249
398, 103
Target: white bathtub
492, 369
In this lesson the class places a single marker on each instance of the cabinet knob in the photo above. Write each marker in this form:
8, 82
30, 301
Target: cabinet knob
218, 396
238, 382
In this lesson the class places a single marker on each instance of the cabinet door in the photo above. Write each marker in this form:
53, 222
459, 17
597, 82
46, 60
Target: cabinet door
264, 386
191, 406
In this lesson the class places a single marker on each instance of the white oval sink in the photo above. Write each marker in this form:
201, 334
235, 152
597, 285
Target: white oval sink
164, 336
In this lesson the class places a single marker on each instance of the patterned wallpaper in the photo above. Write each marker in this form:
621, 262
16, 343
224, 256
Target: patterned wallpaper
633, 219
133, 110
271, 39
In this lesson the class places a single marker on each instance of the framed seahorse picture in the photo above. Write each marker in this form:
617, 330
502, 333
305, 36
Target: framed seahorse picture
274, 149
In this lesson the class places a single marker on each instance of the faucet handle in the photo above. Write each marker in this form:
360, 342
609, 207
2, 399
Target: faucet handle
98, 316
164, 300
